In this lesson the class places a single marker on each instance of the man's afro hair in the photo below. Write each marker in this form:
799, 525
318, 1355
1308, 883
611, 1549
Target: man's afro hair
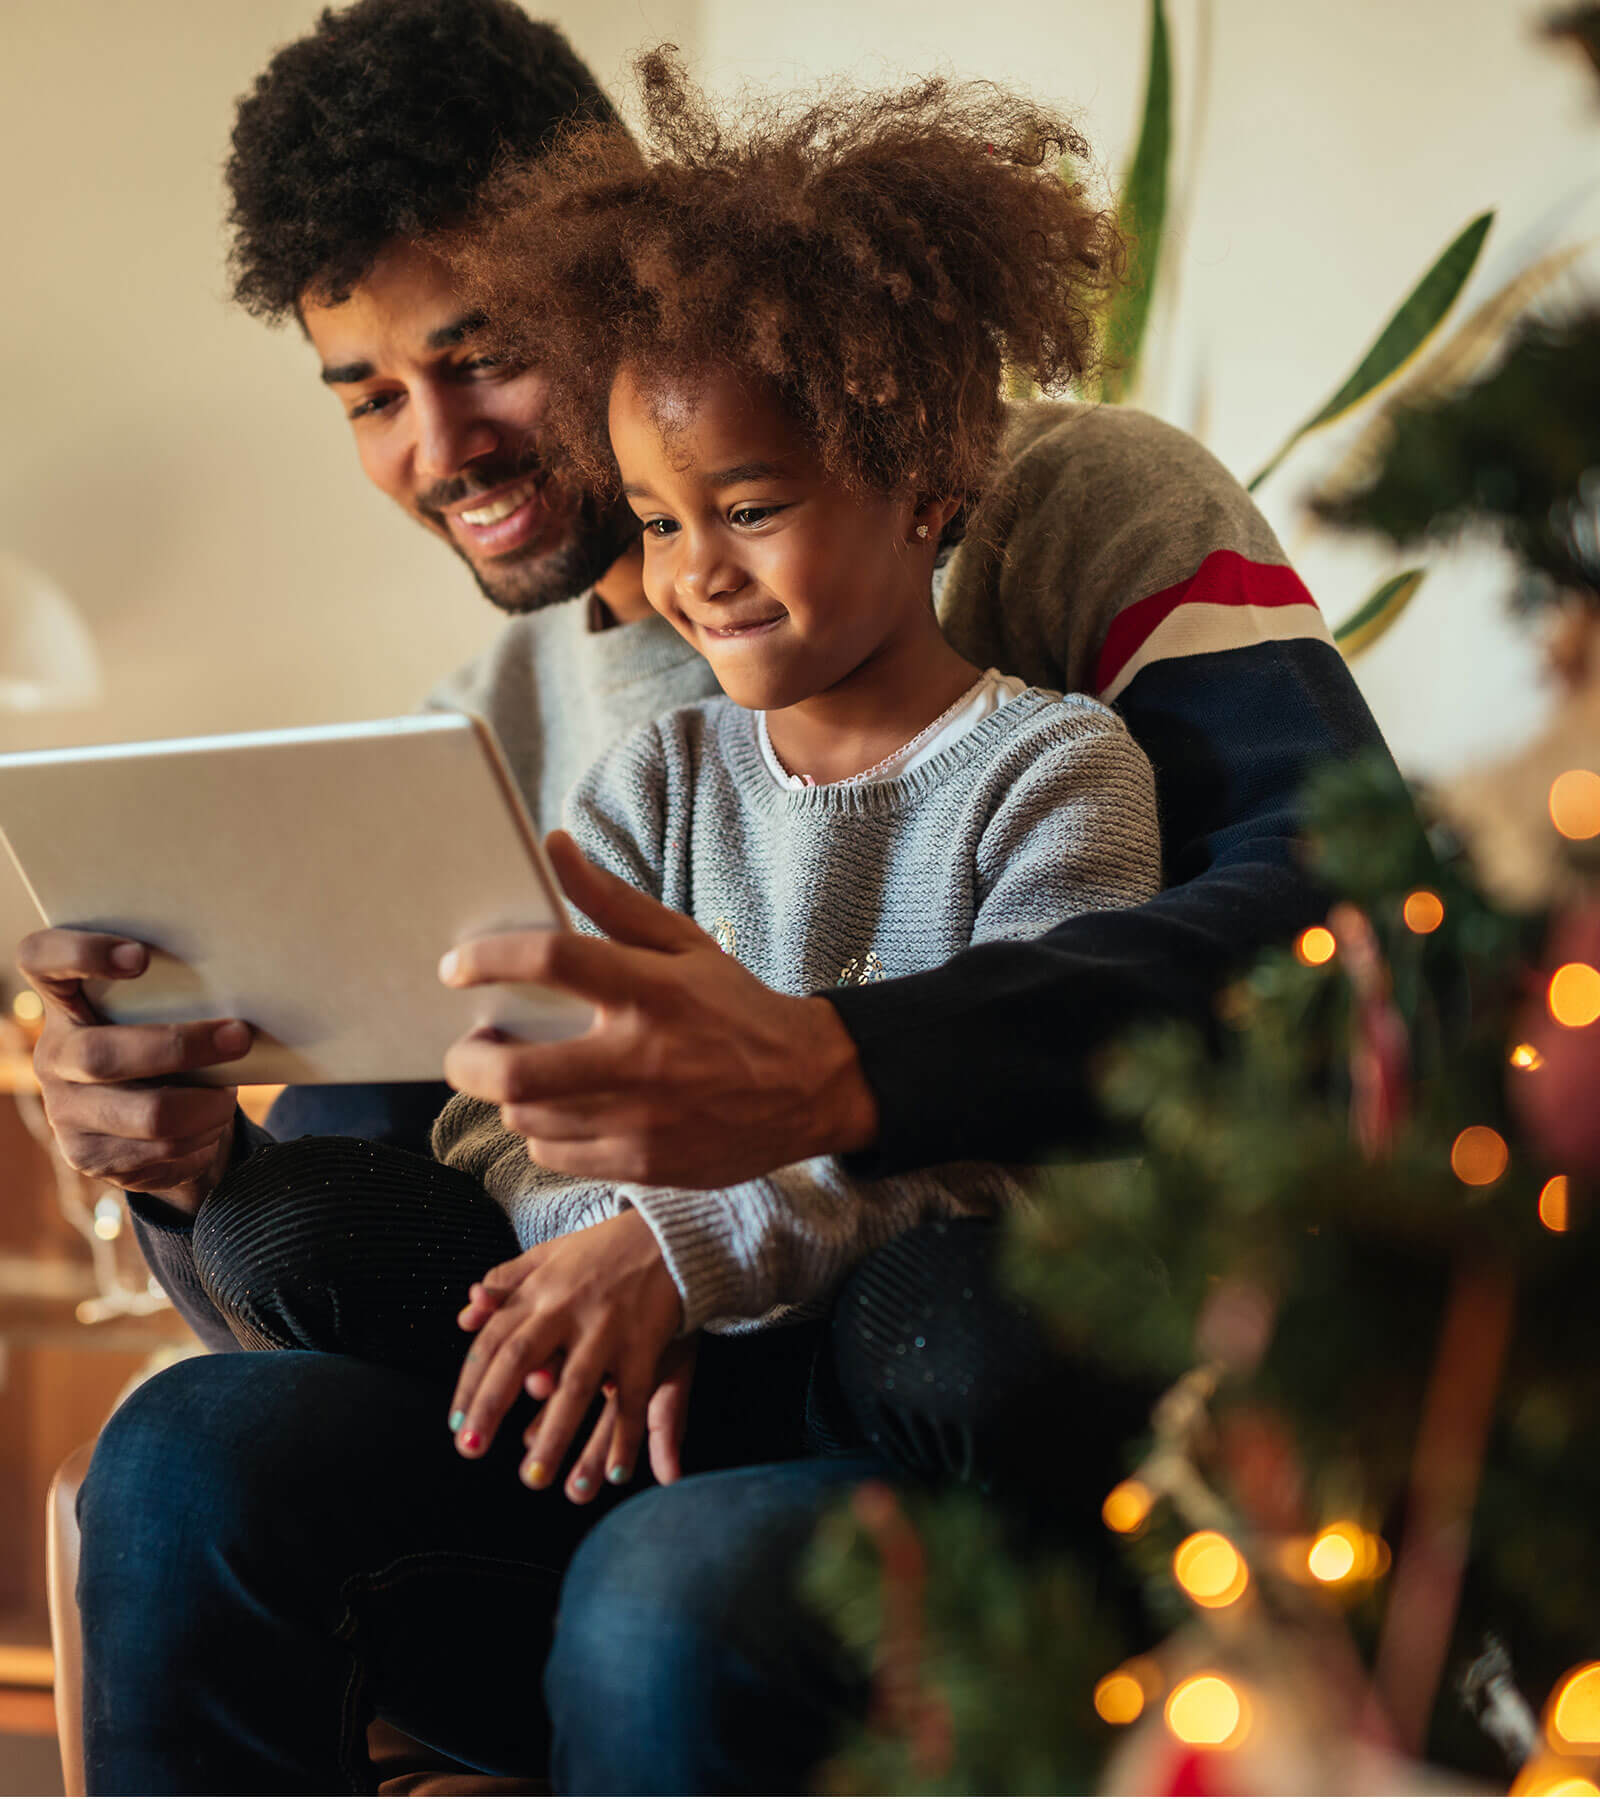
383, 123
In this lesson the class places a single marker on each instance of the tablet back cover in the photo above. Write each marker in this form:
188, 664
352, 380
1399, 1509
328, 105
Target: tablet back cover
305, 881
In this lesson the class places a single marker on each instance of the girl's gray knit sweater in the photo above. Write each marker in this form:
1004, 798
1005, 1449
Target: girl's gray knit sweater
1045, 809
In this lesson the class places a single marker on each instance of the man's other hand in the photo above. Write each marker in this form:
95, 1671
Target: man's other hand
104, 1086
694, 1074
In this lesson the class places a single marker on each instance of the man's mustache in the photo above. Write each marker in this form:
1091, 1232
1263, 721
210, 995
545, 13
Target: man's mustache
484, 476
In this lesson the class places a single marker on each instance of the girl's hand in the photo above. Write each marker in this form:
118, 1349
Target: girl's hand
563, 1318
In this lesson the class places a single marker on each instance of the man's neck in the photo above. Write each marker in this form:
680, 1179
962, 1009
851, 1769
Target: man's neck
620, 592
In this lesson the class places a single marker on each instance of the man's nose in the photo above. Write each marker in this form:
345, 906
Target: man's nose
451, 433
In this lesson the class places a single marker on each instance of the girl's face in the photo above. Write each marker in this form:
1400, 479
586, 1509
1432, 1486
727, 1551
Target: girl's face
786, 582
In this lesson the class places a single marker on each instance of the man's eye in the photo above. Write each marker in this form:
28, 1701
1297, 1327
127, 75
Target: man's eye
374, 403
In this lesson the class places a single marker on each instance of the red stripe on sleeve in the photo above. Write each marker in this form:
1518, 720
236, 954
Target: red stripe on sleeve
1225, 578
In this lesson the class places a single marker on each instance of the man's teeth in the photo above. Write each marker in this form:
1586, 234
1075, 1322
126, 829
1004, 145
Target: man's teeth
501, 508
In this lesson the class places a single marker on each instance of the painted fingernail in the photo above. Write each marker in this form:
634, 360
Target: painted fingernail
457, 1419
617, 1476
471, 1440
449, 963
232, 1039
581, 1483
128, 957
535, 1474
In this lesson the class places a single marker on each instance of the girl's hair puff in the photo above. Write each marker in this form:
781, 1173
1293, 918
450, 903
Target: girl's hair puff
882, 259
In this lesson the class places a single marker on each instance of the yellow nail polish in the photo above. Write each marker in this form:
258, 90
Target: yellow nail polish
535, 1474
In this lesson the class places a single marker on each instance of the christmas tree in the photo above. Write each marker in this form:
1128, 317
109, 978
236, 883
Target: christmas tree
1355, 1250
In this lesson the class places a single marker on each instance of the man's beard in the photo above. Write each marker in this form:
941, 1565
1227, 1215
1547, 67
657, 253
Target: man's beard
598, 535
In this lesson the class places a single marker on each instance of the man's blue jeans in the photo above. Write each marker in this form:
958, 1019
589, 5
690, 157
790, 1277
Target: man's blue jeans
278, 1546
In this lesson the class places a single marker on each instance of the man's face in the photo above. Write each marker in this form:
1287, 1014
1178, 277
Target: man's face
452, 436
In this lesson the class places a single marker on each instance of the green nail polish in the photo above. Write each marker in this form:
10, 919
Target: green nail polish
457, 1419
617, 1476
580, 1483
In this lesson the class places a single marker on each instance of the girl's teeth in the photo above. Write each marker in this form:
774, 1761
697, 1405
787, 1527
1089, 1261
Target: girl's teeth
497, 509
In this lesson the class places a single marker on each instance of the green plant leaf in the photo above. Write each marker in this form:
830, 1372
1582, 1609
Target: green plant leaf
1414, 322
1362, 629
1141, 214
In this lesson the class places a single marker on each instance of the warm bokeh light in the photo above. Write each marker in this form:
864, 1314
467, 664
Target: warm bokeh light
1207, 1710
1544, 1778
1336, 1553
1575, 803
1209, 1569
1575, 995
1526, 1057
1574, 1719
27, 1006
1119, 1698
1127, 1506
1479, 1156
1423, 912
1553, 1203
1316, 946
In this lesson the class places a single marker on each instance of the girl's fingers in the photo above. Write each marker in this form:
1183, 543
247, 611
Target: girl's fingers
562, 1414
583, 1483
542, 1382
500, 1381
482, 1304
630, 1405
473, 1368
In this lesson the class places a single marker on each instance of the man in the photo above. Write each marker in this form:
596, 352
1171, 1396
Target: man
265, 1532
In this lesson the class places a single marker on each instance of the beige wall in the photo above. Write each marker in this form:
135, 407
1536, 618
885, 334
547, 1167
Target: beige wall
176, 467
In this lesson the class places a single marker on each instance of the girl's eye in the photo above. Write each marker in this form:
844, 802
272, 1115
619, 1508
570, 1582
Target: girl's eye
660, 527
753, 515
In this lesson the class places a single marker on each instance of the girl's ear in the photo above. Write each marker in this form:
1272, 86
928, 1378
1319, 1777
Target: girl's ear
931, 517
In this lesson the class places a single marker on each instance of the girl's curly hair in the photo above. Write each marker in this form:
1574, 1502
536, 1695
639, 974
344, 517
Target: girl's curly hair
883, 260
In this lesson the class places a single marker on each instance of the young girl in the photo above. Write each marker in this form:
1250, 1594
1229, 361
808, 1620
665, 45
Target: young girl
788, 348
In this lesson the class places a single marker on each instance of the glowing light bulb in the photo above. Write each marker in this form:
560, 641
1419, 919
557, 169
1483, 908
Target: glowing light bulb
1545, 1777
1209, 1569
1127, 1506
1575, 803
107, 1218
1335, 1553
1479, 1156
1575, 995
1316, 946
1207, 1710
1119, 1698
1553, 1204
1574, 1719
27, 1006
1423, 912
1526, 1057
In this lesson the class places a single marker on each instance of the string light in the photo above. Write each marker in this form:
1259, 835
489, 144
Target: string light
1547, 1778
1575, 995
27, 1006
1526, 1057
1206, 1710
1334, 1554
1553, 1204
1423, 912
1575, 803
1127, 1506
1209, 1569
1119, 1698
1479, 1156
1316, 946
1574, 1720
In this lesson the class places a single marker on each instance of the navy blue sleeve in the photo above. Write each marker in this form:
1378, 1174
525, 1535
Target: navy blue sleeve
991, 1057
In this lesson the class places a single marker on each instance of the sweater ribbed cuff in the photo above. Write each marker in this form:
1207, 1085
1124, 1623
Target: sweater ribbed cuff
695, 1231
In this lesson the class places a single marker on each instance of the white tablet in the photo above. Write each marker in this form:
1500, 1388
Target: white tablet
307, 881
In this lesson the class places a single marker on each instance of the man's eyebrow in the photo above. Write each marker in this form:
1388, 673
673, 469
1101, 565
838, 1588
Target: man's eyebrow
458, 331
346, 374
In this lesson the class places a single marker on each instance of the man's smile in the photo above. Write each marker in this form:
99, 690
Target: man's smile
501, 519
